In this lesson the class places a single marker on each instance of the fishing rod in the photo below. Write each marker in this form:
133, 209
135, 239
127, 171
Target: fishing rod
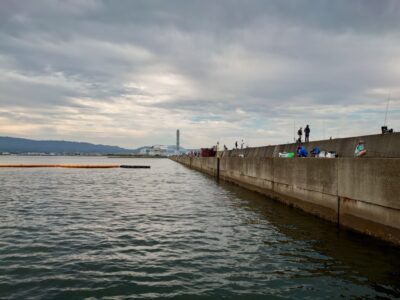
387, 108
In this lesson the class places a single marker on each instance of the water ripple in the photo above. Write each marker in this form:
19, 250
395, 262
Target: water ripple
170, 232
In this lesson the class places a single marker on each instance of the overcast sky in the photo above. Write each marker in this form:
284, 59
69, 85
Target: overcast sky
130, 73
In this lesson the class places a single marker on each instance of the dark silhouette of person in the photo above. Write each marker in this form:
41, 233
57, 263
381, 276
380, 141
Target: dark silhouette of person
236, 145
300, 133
307, 133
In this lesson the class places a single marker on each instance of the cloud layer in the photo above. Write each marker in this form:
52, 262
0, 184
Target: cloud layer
131, 72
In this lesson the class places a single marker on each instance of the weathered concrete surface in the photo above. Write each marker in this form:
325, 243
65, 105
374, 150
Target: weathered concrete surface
313, 181
206, 165
361, 194
374, 181
378, 145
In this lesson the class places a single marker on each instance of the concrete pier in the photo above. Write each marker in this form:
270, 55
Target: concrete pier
378, 145
360, 194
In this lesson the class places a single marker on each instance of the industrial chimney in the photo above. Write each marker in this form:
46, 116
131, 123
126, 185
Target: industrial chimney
177, 140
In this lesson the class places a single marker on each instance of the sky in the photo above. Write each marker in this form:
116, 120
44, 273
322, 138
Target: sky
129, 73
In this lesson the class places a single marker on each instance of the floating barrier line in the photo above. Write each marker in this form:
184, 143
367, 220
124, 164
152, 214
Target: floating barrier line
134, 167
58, 166
73, 166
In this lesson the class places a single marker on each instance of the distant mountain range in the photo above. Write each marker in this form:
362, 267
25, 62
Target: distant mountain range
18, 145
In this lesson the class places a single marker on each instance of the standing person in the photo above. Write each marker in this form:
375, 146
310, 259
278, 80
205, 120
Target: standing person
241, 145
307, 133
236, 145
300, 133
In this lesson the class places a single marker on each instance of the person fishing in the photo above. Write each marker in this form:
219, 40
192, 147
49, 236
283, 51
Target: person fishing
300, 133
302, 151
307, 133
360, 149
315, 152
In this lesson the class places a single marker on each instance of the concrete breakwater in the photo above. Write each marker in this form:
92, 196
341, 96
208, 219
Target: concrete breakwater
360, 194
378, 145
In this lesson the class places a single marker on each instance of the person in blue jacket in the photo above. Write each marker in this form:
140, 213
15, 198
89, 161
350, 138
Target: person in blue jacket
302, 151
315, 152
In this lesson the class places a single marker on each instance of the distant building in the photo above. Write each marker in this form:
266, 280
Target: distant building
156, 150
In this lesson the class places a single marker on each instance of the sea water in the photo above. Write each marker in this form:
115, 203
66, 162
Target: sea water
171, 232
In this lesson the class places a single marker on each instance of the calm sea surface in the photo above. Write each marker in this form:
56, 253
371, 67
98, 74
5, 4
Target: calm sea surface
170, 232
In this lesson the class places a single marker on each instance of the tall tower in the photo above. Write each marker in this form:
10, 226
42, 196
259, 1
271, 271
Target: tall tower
177, 140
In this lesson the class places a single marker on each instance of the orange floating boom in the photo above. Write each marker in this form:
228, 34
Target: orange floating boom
60, 166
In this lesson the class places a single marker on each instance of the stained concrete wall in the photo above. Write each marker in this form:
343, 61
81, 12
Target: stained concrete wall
361, 194
378, 145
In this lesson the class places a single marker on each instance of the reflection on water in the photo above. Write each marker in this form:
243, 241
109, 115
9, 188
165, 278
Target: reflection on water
347, 254
170, 232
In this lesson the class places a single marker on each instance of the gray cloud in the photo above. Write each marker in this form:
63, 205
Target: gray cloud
130, 72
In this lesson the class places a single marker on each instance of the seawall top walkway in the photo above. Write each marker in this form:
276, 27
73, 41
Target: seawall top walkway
377, 145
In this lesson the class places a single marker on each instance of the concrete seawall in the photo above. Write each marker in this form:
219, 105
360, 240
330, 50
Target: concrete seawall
360, 194
378, 145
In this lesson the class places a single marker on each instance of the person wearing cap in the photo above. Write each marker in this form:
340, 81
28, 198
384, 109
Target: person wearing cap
360, 149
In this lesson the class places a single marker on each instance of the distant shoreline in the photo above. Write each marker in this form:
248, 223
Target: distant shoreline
134, 156
84, 155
